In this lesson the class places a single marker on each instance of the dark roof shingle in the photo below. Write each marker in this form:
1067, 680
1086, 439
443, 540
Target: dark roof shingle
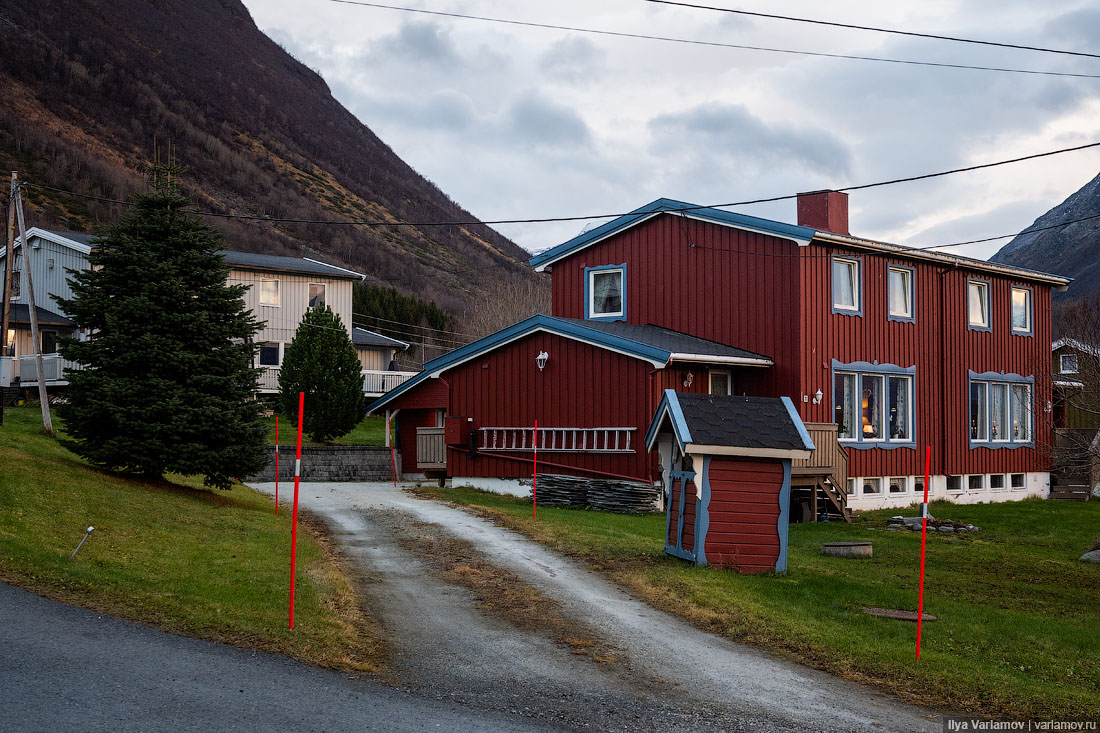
740, 422
21, 313
276, 263
666, 339
363, 337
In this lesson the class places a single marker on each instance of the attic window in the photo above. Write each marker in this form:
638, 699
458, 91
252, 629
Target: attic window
316, 295
605, 292
1067, 363
269, 292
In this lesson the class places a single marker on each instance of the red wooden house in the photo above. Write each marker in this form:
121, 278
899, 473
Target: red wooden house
884, 349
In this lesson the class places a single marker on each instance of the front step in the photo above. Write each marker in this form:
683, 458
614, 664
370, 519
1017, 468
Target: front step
817, 494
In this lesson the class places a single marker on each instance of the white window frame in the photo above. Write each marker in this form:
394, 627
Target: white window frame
902, 480
264, 303
725, 373
982, 485
1012, 481
962, 484
908, 280
279, 346
850, 487
1026, 330
324, 293
973, 286
1006, 433
871, 481
1004, 482
854, 267
592, 274
1062, 364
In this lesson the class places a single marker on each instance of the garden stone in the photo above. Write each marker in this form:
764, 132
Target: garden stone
1093, 557
947, 529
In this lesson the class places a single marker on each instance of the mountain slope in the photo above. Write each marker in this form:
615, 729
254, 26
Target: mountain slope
90, 89
1072, 250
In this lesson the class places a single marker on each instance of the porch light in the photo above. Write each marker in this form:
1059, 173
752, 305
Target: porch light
817, 397
541, 360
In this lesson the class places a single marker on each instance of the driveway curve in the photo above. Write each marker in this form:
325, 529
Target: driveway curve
672, 676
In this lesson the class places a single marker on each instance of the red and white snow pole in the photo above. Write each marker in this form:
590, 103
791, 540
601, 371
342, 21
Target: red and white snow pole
535, 476
276, 465
923, 539
294, 523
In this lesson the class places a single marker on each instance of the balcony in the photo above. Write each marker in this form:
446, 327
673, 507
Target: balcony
268, 383
376, 383
54, 368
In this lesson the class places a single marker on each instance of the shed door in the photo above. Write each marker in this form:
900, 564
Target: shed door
680, 532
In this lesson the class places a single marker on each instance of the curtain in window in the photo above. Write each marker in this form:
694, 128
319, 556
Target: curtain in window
844, 286
607, 293
900, 411
1021, 412
979, 417
872, 407
998, 401
844, 401
899, 293
978, 309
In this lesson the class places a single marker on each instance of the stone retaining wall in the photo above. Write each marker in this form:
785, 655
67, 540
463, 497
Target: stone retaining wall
330, 463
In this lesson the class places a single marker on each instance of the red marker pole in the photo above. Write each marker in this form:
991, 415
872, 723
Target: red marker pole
276, 465
393, 461
294, 524
535, 476
390, 438
923, 539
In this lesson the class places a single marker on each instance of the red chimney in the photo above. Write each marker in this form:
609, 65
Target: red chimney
824, 210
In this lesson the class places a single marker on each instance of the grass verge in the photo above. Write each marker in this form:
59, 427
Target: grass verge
370, 431
173, 555
1017, 624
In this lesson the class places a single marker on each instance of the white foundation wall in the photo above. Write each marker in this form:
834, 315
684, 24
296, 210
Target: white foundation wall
1035, 485
506, 486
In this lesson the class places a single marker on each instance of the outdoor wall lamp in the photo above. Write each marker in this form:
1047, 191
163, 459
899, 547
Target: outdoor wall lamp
817, 397
1049, 406
689, 379
541, 360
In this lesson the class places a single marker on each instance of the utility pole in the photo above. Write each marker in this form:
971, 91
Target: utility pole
5, 285
47, 423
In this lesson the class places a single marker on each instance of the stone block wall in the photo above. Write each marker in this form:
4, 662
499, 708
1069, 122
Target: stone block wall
330, 463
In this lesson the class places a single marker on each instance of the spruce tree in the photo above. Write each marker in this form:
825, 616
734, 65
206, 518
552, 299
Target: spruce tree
322, 362
168, 383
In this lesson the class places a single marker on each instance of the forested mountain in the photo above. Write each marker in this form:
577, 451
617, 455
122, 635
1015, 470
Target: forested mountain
1072, 250
89, 88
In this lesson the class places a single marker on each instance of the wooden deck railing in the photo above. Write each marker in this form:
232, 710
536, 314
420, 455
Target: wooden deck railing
53, 367
431, 449
378, 383
829, 455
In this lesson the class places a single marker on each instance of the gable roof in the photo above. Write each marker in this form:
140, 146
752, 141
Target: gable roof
648, 343
81, 243
21, 313
731, 425
800, 235
1068, 343
292, 265
363, 337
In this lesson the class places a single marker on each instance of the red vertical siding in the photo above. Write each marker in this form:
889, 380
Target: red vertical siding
940, 346
407, 423
744, 514
687, 536
712, 281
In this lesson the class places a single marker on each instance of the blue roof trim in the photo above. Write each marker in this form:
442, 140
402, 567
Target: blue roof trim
670, 404
518, 330
718, 216
802, 432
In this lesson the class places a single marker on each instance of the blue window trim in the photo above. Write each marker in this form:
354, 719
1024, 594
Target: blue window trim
858, 285
912, 318
858, 368
1030, 332
1008, 378
988, 305
588, 272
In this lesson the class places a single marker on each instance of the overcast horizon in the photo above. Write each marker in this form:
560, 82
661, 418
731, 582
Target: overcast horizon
521, 122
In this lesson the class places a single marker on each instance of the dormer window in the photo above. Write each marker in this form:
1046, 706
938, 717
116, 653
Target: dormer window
605, 293
1067, 363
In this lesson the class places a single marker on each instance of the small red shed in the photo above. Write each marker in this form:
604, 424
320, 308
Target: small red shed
726, 466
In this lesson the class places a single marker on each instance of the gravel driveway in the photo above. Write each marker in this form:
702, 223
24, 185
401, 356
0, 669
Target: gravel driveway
667, 675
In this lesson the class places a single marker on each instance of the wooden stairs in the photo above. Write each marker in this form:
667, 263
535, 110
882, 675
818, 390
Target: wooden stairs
818, 483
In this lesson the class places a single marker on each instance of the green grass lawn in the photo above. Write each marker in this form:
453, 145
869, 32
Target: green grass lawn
206, 563
371, 431
1018, 629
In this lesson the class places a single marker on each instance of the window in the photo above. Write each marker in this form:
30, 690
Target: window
872, 486
1021, 310
1000, 411
846, 286
16, 281
269, 292
720, 382
850, 488
978, 305
605, 292
1067, 363
954, 483
900, 294
874, 407
269, 354
49, 342
898, 484
975, 483
997, 482
1016, 480
918, 486
316, 295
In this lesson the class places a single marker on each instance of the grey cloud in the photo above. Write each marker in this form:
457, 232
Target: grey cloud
732, 133
420, 43
573, 60
444, 111
536, 120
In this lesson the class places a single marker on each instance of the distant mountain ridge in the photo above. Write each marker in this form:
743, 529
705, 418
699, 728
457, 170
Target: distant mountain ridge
87, 87
1072, 250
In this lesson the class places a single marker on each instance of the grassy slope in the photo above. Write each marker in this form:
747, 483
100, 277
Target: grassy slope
1017, 613
371, 431
212, 564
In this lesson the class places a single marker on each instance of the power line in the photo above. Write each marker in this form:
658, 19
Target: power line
473, 222
714, 44
872, 28
411, 325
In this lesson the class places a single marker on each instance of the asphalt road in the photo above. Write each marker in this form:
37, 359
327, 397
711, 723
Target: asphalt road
67, 669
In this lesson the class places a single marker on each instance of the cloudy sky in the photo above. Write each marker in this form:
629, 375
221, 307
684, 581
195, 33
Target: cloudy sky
522, 122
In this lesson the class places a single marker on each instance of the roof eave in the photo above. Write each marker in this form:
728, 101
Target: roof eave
731, 450
716, 359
